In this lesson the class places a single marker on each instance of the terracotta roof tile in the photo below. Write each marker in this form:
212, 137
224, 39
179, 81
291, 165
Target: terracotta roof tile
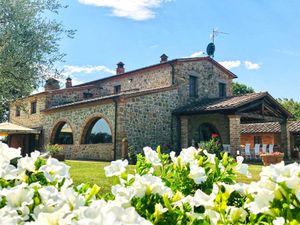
216, 104
273, 127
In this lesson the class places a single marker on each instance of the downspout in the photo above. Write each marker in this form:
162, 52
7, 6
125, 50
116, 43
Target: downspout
172, 72
115, 132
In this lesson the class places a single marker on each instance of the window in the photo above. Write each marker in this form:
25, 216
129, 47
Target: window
222, 90
117, 89
18, 111
33, 107
63, 134
257, 140
98, 131
193, 86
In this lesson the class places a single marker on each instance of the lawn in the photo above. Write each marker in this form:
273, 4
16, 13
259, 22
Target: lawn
93, 173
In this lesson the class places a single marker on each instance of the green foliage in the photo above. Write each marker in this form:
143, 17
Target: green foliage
212, 146
240, 89
292, 106
29, 46
54, 149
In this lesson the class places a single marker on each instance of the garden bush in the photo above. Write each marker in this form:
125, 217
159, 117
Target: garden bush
193, 188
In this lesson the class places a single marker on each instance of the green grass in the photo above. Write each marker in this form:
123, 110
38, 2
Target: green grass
254, 170
93, 173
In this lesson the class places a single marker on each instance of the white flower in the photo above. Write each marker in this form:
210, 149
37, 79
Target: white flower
279, 221
55, 170
18, 196
213, 216
174, 158
152, 156
9, 153
202, 199
123, 195
261, 201
147, 184
187, 155
116, 168
241, 167
197, 173
9, 216
237, 214
159, 209
28, 163
210, 157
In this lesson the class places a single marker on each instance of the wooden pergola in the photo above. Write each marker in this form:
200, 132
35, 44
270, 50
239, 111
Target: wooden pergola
249, 108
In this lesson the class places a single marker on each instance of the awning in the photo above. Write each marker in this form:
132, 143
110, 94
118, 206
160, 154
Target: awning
7, 128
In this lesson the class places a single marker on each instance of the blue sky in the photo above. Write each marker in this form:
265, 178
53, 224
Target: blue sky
262, 46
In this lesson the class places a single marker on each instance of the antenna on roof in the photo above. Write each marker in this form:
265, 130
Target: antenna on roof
210, 50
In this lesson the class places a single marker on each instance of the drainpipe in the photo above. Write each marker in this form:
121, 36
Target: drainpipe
115, 133
172, 73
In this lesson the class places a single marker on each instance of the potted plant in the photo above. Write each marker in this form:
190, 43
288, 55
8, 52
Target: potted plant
271, 158
56, 151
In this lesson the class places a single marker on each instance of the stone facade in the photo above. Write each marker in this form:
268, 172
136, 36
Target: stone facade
141, 112
148, 119
219, 121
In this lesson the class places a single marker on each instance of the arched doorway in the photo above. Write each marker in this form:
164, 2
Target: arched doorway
206, 132
63, 134
97, 131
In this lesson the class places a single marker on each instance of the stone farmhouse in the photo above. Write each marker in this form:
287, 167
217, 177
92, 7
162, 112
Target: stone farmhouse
174, 103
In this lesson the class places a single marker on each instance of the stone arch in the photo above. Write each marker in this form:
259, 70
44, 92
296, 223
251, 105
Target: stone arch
89, 121
58, 126
208, 130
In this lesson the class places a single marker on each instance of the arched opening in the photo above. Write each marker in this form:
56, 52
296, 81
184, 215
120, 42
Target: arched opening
97, 131
207, 131
63, 134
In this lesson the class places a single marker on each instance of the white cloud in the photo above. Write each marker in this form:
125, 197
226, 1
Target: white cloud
251, 66
70, 70
197, 54
133, 9
231, 64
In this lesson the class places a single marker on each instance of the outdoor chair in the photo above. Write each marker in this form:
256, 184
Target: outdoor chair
264, 148
226, 148
247, 151
271, 146
256, 150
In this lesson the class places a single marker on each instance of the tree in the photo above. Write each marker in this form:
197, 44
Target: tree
292, 106
240, 89
29, 46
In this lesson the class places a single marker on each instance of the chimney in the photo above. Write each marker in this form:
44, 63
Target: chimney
120, 68
163, 58
68, 82
51, 84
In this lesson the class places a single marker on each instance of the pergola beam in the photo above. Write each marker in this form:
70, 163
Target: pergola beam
261, 117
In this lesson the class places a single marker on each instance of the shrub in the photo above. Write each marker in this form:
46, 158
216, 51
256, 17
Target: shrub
193, 188
54, 149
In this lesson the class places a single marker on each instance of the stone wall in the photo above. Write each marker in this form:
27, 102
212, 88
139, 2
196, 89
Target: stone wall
78, 118
140, 80
26, 118
102, 152
219, 121
148, 119
208, 80
70, 95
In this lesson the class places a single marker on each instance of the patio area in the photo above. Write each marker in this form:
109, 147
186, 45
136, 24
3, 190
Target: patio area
225, 118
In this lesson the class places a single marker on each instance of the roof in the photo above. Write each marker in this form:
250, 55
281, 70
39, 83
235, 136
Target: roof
170, 62
273, 127
10, 128
217, 104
